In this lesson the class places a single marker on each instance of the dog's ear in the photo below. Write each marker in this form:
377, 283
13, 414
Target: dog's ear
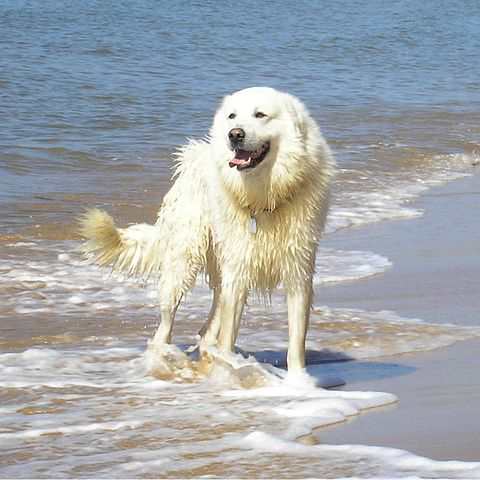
219, 113
299, 115
222, 102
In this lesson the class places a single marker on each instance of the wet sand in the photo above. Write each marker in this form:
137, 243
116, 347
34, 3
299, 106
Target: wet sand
435, 277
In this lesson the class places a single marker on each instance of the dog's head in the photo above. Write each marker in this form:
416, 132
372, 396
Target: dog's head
264, 141
252, 124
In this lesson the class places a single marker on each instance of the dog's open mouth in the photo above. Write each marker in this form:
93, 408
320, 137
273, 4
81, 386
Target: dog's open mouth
244, 159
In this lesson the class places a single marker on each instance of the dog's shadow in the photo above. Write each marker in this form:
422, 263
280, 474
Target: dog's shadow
330, 369
335, 369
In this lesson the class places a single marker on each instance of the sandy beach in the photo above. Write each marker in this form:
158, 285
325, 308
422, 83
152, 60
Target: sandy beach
435, 277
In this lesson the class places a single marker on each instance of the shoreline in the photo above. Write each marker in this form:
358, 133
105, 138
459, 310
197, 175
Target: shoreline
434, 277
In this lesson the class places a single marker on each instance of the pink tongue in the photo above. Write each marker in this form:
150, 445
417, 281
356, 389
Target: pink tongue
242, 157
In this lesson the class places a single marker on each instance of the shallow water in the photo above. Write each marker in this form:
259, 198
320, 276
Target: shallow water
95, 96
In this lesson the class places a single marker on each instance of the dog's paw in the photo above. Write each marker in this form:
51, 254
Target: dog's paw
233, 370
168, 362
300, 379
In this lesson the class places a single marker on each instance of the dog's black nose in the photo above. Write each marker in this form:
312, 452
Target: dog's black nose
236, 135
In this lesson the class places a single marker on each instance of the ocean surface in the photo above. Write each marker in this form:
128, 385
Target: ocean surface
95, 96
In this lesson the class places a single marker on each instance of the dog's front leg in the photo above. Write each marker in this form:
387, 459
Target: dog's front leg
299, 303
230, 305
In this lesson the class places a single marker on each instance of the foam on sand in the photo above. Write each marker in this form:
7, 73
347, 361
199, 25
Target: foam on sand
376, 196
388, 462
101, 401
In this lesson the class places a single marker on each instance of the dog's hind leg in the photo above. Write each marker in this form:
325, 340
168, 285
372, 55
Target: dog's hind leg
170, 293
165, 360
163, 334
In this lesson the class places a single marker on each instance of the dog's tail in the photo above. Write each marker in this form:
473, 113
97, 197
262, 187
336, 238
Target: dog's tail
133, 251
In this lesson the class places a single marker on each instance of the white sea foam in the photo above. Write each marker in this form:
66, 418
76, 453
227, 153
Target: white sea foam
389, 462
63, 283
370, 207
100, 401
70, 430
378, 196
335, 266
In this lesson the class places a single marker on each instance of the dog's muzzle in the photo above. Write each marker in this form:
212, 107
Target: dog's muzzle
244, 159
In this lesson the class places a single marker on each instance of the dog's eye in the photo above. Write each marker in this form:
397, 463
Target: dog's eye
260, 115
231, 116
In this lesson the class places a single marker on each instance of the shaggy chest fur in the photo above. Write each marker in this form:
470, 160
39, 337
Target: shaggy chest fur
280, 249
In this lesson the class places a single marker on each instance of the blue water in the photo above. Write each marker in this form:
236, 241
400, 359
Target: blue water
94, 88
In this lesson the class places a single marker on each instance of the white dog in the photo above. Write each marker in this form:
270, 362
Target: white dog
247, 208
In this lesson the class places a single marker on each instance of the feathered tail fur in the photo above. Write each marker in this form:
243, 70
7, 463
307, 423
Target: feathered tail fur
132, 251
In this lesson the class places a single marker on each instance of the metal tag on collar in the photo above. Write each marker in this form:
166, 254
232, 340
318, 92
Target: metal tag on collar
253, 224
